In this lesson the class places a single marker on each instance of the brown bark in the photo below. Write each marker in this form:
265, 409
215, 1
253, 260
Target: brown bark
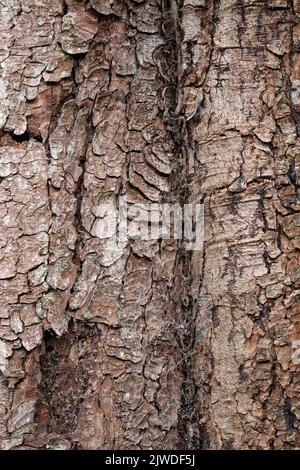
149, 345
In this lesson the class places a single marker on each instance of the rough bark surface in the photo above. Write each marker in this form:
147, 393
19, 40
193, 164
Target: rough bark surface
146, 345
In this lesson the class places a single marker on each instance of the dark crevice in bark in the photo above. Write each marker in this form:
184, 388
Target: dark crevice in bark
20, 138
79, 197
189, 434
24, 137
64, 382
66, 369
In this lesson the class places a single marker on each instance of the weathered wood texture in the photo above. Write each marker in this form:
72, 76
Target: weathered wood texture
149, 345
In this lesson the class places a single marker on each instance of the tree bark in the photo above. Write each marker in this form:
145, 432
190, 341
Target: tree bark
145, 344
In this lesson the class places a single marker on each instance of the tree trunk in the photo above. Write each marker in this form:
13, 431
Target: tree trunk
146, 344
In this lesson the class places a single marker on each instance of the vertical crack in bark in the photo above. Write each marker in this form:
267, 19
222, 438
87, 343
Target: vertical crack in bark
189, 434
66, 380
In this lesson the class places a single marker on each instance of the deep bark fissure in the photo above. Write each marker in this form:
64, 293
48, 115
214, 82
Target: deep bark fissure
189, 431
66, 376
